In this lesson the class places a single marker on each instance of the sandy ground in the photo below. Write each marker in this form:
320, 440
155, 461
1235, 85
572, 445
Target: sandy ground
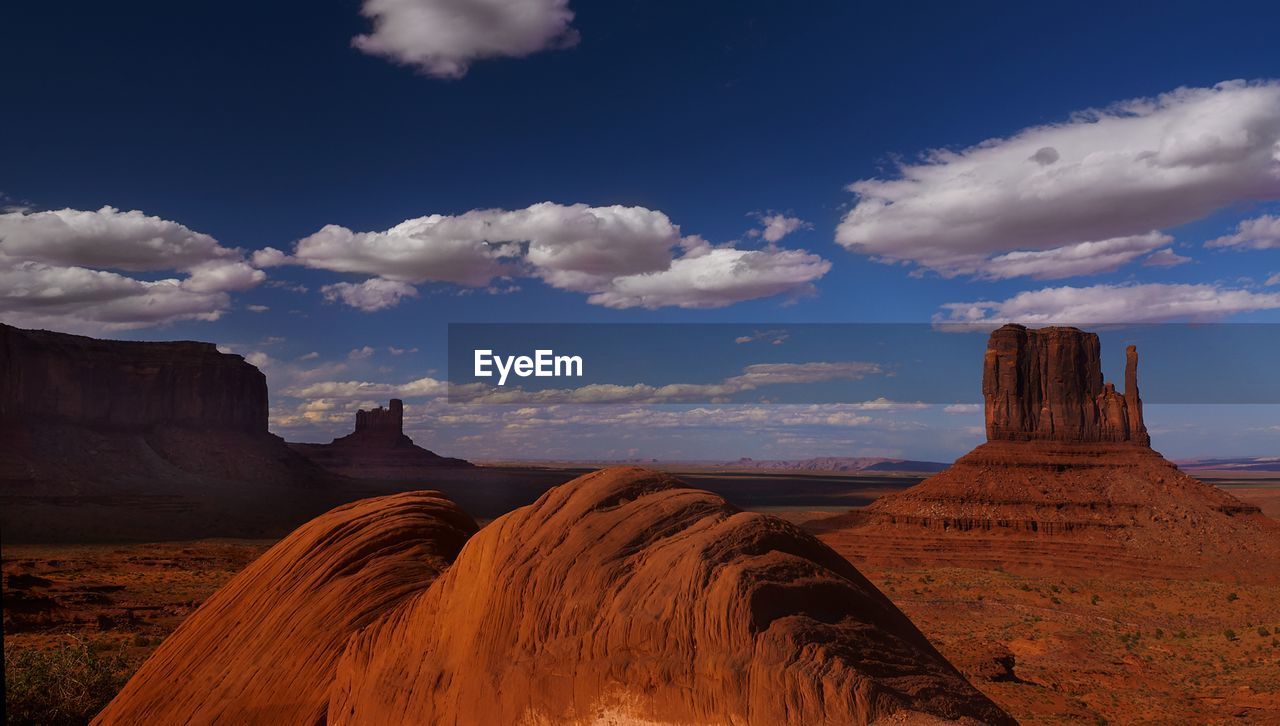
1049, 649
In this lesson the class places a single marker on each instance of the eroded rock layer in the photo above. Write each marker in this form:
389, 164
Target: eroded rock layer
263, 648
1066, 480
624, 597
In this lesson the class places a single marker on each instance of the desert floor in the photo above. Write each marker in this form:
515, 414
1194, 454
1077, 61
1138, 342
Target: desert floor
1051, 649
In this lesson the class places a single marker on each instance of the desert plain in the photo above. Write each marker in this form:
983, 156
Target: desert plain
1050, 648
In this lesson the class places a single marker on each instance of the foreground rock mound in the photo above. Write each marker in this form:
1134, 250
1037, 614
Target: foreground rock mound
377, 449
1066, 480
623, 597
263, 648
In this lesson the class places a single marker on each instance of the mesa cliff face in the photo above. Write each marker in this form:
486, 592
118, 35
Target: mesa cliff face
619, 597
48, 377
108, 439
1066, 480
1047, 385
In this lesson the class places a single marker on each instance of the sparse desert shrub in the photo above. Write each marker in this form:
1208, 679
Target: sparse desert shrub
68, 684
1230, 634
1263, 632
1232, 597
1094, 600
1159, 633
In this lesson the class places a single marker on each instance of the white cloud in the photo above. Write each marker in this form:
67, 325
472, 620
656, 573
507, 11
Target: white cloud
1111, 304
775, 226
1110, 178
961, 408
257, 308
620, 256
361, 353
773, 337
372, 294
752, 378
719, 277
1165, 258
443, 37
422, 387
269, 257
400, 351
1273, 280
1084, 258
1259, 233
309, 356
65, 269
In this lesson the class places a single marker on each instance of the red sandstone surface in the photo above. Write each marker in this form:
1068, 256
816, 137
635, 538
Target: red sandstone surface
618, 597
262, 649
1067, 480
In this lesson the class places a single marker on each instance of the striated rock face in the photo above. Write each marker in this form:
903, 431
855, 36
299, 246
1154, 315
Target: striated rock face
263, 648
1067, 480
1046, 385
115, 384
377, 449
623, 597
109, 440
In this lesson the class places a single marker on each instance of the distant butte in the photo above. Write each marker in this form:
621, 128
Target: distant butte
1067, 480
377, 449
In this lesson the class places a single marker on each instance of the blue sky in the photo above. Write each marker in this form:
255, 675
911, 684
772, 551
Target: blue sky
235, 127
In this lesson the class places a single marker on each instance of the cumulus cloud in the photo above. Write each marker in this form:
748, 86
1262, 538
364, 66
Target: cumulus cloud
775, 226
1095, 189
1165, 258
716, 278
361, 353
372, 294
1273, 280
620, 256
443, 37
1259, 233
1111, 304
66, 269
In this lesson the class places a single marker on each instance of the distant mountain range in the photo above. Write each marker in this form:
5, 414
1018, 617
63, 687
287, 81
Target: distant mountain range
836, 463
816, 464
1243, 463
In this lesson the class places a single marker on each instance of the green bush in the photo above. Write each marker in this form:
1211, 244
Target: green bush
68, 684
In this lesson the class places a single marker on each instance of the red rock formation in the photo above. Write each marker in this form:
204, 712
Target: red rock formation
1066, 480
136, 440
263, 648
1046, 385
623, 597
377, 449
120, 385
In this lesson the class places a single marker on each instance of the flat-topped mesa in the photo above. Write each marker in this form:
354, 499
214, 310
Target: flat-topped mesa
117, 385
1047, 385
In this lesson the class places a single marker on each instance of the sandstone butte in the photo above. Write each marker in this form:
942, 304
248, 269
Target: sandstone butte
377, 449
619, 597
1066, 480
